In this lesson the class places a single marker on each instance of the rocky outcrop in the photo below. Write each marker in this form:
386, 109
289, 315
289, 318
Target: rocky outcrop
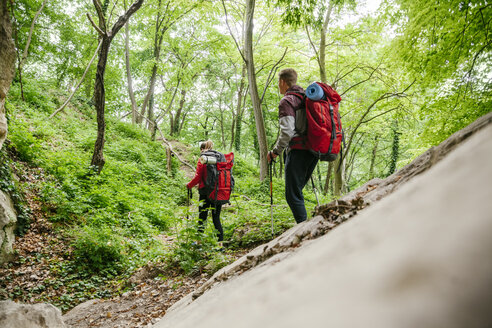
7, 57
8, 219
41, 315
418, 255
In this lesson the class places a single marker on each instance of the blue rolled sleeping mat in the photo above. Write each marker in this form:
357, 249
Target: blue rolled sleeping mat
315, 92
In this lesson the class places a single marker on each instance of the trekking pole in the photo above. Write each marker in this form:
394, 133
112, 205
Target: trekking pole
271, 192
188, 203
315, 192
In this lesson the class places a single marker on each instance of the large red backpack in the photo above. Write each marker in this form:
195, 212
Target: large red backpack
322, 134
219, 182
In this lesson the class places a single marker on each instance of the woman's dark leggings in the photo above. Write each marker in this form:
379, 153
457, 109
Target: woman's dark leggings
205, 204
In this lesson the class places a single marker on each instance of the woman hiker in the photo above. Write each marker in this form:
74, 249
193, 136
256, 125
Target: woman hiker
205, 203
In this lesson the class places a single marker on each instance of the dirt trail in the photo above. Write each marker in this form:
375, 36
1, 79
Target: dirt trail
185, 152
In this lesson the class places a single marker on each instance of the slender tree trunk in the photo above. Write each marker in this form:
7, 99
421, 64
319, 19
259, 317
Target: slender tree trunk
236, 139
222, 129
339, 172
150, 93
373, 157
182, 122
158, 37
106, 36
171, 122
128, 72
253, 89
78, 85
152, 123
22, 59
395, 149
176, 119
31, 31
322, 44
162, 24
205, 127
328, 177
168, 159
99, 98
322, 73
7, 62
221, 120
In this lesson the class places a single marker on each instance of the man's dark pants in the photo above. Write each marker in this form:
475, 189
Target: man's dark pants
299, 165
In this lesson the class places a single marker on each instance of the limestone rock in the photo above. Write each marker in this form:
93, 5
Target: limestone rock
40, 315
418, 256
7, 58
72, 316
8, 218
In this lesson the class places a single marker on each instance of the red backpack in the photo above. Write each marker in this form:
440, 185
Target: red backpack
322, 131
219, 182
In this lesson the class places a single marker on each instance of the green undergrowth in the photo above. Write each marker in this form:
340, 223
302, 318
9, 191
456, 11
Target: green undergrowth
114, 220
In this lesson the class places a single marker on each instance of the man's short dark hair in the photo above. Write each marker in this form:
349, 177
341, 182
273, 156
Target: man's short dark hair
289, 75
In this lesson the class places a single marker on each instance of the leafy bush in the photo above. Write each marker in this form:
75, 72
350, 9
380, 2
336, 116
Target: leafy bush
35, 95
99, 248
27, 146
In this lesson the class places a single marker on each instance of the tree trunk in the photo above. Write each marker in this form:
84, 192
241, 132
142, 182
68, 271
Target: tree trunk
29, 37
373, 158
168, 159
176, 120
395, 149
253, 89
236, 132
99, 99
22, 60
158, 37
328, 177
106, 36
322, 73
150, 92
152, 121
128, 73
322, 44
339, 170
7, 61
78, 85
221, 119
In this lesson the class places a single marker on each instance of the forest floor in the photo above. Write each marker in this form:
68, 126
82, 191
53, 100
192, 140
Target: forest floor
39, 272
32, 277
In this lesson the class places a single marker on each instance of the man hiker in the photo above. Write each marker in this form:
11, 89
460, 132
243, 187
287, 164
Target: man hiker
299, 162
205, 203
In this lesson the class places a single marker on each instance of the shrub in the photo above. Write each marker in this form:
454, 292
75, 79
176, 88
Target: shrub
23, 141
99, 248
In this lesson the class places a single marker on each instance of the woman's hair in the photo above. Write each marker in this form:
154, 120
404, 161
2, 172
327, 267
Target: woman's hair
206, 145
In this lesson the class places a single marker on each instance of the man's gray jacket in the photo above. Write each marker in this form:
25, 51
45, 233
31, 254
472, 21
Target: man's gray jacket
287, 118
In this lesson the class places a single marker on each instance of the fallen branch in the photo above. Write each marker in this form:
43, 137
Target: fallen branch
169, 144
78, 85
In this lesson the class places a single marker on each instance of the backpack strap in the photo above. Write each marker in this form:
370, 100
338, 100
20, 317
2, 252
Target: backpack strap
299, 95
